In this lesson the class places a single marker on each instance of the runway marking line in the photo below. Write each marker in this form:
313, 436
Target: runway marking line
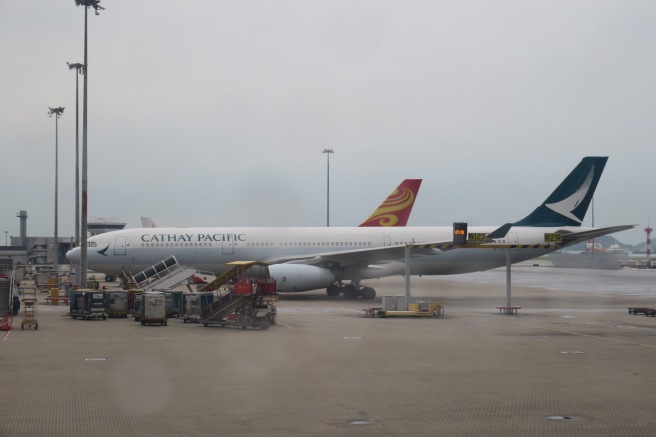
285, 325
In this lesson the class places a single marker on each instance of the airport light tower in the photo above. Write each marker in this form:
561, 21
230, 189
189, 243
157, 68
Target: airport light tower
83, 231
79, 68
328, 152
57, 112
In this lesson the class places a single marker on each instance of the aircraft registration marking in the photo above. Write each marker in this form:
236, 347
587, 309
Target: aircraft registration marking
553, 237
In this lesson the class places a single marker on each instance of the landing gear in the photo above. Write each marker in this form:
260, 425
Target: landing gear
367, 293
351, 291
333, 290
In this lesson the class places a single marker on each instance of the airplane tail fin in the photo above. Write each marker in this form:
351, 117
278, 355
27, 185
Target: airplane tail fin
395, 210
569, 202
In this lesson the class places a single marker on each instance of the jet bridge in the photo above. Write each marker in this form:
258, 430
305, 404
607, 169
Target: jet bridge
164, 275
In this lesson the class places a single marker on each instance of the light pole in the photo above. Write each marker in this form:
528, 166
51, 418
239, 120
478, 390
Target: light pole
6, 234
83, 231
57, 112
328, 152
79, 70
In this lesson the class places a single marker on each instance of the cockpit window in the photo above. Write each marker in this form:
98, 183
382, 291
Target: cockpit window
91, 244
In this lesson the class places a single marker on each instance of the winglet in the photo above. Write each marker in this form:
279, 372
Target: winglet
395, 210
569, 202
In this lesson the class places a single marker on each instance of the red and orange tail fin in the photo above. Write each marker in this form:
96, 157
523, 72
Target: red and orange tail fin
395, 210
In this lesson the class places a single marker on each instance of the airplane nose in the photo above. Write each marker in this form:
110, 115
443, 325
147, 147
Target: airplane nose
73, 255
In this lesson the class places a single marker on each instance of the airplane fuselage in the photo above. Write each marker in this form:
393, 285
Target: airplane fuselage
211, 248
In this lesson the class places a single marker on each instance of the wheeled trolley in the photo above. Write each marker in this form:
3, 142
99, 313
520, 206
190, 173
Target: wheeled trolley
29, 310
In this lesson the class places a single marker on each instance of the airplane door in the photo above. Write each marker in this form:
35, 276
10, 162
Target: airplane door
227, 248
120, 244
387, 241
512, 239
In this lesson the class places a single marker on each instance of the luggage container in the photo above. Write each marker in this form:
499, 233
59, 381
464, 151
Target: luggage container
192, 305
173, 303
131, 298
153, 308
206, 299
138, 300
88, 304
117, 303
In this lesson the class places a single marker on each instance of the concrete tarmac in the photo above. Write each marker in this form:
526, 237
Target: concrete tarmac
573, 362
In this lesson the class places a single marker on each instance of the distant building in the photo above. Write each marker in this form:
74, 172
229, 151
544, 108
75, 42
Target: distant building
24, 250
101, 225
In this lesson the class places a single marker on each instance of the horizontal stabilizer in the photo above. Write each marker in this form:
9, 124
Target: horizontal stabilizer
578, 237
501, 232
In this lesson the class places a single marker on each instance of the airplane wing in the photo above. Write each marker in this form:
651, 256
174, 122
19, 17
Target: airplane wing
362, 257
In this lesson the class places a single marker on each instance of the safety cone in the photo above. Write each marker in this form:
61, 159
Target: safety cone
6, 326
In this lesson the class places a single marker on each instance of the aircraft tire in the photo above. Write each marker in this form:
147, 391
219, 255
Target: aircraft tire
350, 292
368, 293
333, 291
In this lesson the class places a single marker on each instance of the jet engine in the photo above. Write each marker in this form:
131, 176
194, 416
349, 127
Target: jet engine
300, 277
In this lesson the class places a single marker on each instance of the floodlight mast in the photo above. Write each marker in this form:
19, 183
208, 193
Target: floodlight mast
328, 152
79, 68
57, 112
84, 228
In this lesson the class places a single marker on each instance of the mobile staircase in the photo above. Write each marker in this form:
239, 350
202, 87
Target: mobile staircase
248, 301
164, 275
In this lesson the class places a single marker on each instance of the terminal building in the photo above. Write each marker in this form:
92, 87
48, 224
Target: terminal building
40, 251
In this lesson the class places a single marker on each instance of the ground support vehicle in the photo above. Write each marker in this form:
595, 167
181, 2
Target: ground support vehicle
249, 301
201, 278
245, 312
153, 308
29, 310
88, 304
642, 310
413, 309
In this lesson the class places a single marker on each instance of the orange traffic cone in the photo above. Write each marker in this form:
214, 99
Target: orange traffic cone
6, 326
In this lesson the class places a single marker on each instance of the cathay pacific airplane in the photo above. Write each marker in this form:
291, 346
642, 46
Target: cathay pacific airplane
340, 258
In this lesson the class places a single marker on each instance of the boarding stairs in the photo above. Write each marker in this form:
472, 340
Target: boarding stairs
164, 275
225, 305
249, 289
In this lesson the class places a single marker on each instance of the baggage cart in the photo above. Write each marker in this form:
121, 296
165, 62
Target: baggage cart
88, 304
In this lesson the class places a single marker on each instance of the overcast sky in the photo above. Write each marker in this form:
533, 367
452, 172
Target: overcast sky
216, 113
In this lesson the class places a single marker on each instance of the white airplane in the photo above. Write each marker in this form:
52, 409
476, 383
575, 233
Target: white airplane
306, 258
